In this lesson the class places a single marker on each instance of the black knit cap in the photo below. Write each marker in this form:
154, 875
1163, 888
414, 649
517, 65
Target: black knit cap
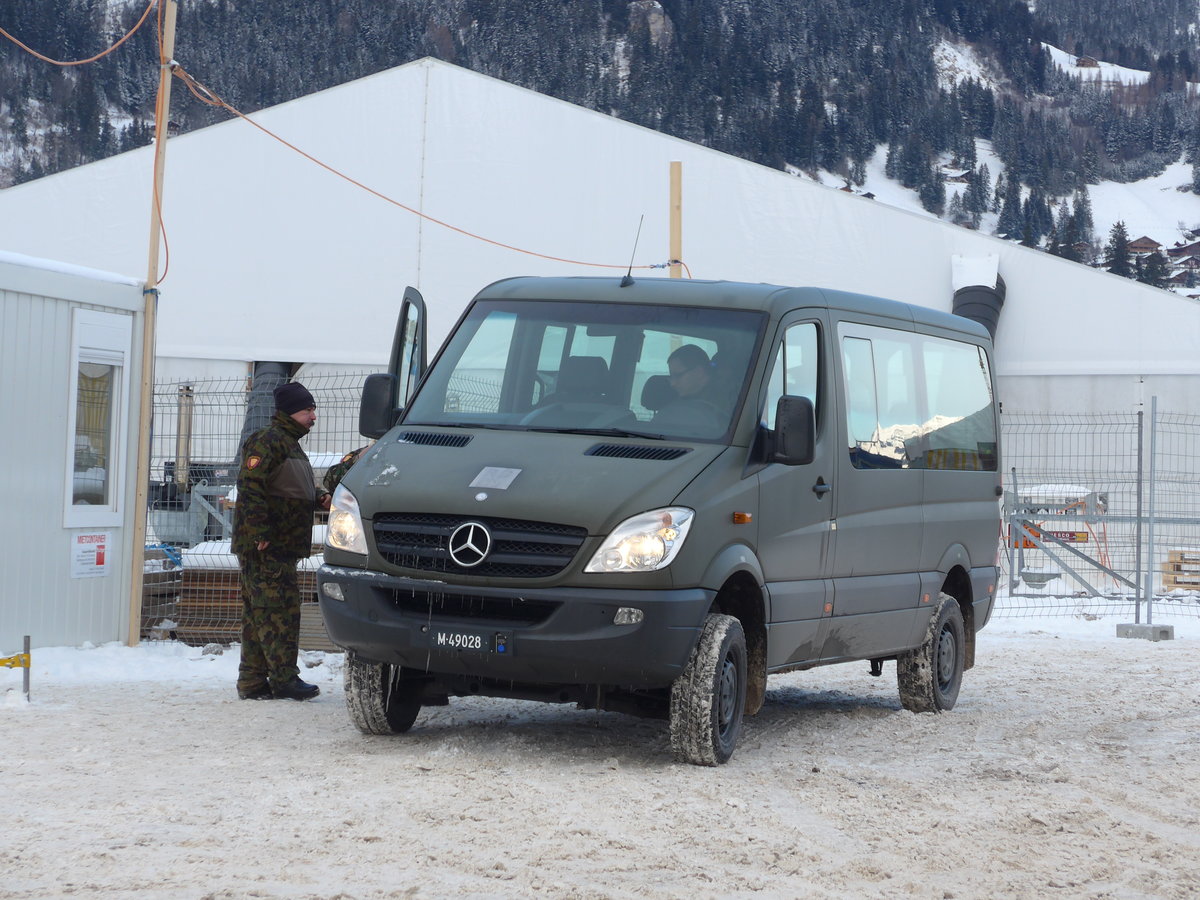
293, 397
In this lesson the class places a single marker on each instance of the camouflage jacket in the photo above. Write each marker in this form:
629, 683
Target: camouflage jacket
335, 473
276, 493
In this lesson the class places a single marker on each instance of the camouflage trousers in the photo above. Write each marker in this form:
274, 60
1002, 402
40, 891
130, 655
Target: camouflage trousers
270, 622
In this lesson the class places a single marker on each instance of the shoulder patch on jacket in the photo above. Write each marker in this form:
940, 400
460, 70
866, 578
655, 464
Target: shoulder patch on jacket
253, 461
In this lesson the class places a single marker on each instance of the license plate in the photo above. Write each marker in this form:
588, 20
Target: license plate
473, 641
448, 639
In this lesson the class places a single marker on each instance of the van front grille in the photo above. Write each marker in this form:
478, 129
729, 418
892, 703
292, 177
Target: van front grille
519, 549
472, 606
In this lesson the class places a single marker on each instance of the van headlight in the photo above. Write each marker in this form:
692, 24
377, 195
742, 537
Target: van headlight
643, 543
345, 530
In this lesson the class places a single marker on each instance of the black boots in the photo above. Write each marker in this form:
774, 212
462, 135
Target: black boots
294, 690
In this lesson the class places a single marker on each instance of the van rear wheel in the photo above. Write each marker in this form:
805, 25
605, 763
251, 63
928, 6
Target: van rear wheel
931, 675
709, 699
378, 699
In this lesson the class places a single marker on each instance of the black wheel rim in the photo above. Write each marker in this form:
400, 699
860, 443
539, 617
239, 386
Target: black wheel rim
947, 658
727, 693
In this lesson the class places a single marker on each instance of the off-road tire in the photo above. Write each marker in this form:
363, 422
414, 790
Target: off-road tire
929, 676
378, 700
709, 699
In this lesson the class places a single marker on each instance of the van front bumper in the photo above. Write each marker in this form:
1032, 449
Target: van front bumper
540, 636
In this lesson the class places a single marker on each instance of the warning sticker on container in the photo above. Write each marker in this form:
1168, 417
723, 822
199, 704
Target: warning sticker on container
89, 554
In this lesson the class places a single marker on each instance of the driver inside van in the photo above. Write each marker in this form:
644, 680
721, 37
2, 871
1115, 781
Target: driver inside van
691, 374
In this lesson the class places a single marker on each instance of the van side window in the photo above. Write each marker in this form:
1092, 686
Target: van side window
795, 371
917, 402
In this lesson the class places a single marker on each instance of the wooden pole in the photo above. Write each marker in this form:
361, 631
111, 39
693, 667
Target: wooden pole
676, 242
149, 325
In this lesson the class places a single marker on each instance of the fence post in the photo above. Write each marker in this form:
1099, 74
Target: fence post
1007, 534
1150, 516
1137, 525
23, 661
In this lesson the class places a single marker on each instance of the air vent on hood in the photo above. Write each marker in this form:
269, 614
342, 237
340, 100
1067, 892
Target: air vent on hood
632, 451
434, 439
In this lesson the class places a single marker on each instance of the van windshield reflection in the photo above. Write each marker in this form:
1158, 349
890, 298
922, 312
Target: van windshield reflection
664, 372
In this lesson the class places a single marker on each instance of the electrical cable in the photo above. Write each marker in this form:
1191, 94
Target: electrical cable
90, 59
209, 97
160, 127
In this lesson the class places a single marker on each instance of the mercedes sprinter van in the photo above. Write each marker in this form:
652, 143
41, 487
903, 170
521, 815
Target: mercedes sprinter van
650, 495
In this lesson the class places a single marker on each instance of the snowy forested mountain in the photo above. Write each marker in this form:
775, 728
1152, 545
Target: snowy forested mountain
812, 87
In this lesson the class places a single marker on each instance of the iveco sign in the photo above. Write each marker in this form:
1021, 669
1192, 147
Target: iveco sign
470, 544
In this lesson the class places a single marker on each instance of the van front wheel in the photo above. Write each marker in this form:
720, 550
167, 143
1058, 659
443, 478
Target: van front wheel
709, 698
378, 699
930, 676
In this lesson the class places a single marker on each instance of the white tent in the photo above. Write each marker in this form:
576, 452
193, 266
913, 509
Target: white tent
272, 257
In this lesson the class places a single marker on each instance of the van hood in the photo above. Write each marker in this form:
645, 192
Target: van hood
572, 479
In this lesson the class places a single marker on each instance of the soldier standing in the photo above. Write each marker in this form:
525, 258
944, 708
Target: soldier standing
272, 531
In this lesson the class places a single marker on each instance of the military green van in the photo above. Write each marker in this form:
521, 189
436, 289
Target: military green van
648, 495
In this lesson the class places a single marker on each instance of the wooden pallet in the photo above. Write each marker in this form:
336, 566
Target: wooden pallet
313, 635
161, 583
1181, 570
209, 609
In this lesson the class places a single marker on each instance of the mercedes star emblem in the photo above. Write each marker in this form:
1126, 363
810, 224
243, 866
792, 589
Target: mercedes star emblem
470, 543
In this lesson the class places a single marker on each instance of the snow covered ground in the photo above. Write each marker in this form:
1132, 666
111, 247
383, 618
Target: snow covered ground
1068, 769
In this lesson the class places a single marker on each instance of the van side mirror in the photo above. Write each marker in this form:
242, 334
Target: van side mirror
376, 411
795, 431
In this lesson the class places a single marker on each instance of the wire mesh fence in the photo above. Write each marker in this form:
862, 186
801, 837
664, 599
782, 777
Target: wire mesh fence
1080, 536
1080, 533
191, 583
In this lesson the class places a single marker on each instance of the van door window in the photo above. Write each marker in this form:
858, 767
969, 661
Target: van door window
474, 385
795, 370
883, 402
867, 450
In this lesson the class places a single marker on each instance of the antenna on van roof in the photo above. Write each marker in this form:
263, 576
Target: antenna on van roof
628, 279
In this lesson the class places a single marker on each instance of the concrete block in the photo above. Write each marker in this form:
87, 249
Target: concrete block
1147, 632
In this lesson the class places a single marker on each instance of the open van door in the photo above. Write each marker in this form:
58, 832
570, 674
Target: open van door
385, 395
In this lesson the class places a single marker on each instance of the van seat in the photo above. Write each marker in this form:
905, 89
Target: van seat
657, 392
581, 379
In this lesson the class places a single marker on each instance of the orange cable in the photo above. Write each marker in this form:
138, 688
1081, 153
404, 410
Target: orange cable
205, 95
80, 62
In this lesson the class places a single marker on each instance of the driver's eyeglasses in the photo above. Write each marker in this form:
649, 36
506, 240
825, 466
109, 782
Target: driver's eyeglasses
677, 375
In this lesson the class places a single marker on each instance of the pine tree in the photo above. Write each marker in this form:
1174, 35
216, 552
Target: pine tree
1154, 270
1117, 258
1082, 215
1011, 219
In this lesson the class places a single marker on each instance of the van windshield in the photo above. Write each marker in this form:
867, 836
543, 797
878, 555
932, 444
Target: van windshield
654, 371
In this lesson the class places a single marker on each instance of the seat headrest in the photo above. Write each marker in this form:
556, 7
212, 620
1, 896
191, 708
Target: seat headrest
657, 392
582, 375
